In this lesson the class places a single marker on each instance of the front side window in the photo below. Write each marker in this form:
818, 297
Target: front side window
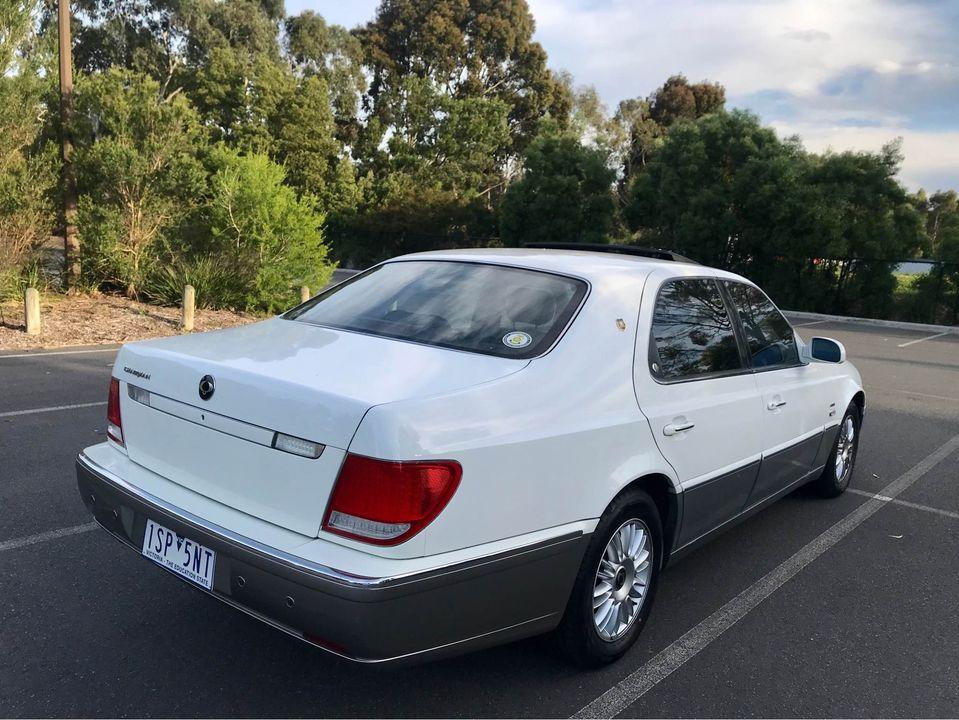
692, 332
489, 309
769, 336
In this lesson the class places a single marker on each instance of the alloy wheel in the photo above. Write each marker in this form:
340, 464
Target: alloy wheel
622, 579
845, 450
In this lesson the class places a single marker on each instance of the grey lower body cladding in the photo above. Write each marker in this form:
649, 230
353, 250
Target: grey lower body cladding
408, 619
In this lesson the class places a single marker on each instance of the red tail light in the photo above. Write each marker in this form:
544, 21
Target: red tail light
114, 423
387, 503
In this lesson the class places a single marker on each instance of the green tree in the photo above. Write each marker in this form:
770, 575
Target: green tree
233, 72
934, 296
726, 191
690, 195
940, 212
564, 195
333, 54
138, 174
16, 19
248, 27
868, 217
250, 99
399, 215
639, 125
304, 140
869, 213
443, 158
139, 35
269, 240
452, 141
590, 121
643, 124
28, 164
678, 99
463, 48
240, 98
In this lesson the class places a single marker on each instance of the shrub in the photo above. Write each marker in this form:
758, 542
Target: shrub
28, 174
268, 240
138, 174
214, 283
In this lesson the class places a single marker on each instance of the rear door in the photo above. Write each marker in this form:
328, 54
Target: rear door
700, 399
791, 393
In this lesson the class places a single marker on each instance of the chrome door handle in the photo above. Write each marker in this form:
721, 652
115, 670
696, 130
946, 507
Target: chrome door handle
775, 404
672, 429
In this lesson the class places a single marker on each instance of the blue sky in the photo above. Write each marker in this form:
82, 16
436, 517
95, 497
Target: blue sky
842, 74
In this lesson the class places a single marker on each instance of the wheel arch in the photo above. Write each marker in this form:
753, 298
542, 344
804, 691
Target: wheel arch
668, 502
860, 399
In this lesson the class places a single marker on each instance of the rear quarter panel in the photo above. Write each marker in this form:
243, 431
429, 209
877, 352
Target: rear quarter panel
547, 446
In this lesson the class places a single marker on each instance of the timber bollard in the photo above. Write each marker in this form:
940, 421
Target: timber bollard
189, 306
304, 294
31, 311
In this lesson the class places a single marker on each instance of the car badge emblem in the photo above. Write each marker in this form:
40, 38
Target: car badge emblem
207, 387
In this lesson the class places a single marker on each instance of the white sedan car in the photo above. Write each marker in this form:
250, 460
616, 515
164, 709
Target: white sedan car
457, 449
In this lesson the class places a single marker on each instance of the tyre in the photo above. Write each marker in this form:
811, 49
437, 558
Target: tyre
614, 589
842, 460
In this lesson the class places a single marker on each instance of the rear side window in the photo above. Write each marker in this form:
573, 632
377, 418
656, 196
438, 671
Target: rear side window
769, 336
490, 309
692, 333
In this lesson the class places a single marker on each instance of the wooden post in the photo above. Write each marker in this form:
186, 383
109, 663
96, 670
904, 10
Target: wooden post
189, 306
31, 311
304, 294
68, 179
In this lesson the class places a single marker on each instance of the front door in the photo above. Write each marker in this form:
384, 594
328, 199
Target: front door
701, 401
790, 392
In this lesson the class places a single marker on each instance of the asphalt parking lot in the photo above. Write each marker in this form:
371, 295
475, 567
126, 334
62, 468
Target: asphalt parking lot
843, 607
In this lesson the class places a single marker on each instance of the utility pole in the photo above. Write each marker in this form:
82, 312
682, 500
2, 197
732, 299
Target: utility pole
68, 179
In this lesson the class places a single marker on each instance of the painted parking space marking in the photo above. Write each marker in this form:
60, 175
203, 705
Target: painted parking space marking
689, 645
912, 392
922, 339
47, 536
906, 503
814, 322
58, 352
55, 408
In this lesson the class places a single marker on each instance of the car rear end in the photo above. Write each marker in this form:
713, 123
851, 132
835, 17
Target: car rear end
228, 465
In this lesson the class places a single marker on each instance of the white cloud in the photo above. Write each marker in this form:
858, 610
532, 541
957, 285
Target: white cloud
806, 35
627, 47
888, 66
841, 73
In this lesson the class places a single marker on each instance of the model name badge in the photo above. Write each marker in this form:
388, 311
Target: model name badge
137, 373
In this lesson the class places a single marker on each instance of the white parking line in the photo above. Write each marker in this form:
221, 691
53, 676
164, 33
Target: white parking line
58, 352
913, 342
814, 322
45, 536
634, 686
14, 413
879, 388
906, 503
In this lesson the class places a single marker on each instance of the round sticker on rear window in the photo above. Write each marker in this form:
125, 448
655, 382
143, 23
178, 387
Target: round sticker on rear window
516, 339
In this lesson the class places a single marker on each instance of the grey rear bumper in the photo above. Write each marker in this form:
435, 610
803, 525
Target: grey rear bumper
410, 618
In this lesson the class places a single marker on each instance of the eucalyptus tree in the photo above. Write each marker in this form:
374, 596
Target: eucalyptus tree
563, 196
315, 48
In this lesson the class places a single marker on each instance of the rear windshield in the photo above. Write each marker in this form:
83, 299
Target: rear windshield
475, 307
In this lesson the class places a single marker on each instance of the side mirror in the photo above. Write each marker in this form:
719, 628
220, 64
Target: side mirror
824, 350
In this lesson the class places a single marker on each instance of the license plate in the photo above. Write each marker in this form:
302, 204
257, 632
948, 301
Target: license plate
179, 554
